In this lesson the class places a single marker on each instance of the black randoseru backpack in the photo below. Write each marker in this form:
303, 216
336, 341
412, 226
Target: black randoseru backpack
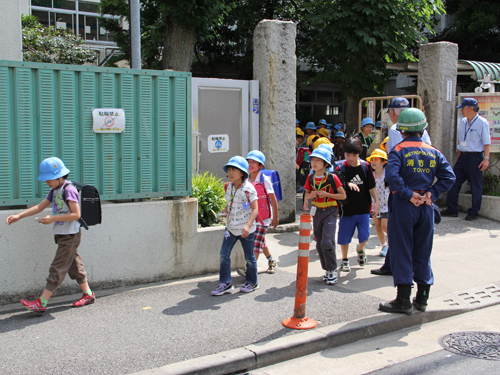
90, 204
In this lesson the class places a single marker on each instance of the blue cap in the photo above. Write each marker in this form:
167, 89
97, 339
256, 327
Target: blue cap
367, 121
321, 153
340, 134
258, 156
398, 102
378, 124
322, 121
338, 127
52, 169
327, 147
297, 121
237, 162
310, 125
468, 102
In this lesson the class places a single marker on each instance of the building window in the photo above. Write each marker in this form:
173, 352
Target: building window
79, 16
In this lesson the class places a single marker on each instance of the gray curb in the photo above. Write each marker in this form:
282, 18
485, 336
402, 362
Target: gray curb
270, 352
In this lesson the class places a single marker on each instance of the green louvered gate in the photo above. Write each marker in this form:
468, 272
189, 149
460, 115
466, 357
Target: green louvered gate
46, 110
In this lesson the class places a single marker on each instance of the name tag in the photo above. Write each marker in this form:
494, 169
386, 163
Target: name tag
463, 143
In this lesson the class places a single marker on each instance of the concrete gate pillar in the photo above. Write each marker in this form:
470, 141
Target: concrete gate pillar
275, 67
11, 47
437, 85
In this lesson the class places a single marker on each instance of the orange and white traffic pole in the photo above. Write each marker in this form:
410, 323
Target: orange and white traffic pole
299, 319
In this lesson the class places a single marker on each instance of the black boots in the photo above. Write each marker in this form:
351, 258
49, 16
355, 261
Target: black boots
401, 304
420, 301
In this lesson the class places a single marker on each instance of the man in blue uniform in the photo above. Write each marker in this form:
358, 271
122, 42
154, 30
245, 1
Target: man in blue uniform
413, 165
473, 139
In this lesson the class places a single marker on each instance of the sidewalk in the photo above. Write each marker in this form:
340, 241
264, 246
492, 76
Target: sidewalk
178, 327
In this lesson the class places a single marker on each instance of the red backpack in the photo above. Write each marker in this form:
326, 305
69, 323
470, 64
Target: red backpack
263, 201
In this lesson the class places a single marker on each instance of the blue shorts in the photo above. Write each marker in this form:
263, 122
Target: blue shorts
348, 224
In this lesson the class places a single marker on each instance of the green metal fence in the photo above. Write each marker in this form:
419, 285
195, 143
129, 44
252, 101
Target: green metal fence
46, 110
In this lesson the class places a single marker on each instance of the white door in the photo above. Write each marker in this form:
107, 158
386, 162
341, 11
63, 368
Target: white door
225, 122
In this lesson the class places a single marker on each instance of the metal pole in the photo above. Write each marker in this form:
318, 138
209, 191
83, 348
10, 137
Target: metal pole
135, 34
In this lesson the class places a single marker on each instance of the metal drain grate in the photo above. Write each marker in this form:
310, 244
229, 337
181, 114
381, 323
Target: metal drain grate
482, 345
475, 297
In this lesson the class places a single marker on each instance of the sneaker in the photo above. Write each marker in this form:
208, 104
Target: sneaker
247, 288
383, 252
35, 306
344, 267
332, 277
223, 289
272, 266
85, 300
242, 272
361, 256
325, 276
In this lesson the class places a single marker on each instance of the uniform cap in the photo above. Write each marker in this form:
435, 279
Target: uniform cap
237, 162
299, 132
51, 169
311, 125
367, 121
324, 132
321, 153
340, 134
468, 102
258, 156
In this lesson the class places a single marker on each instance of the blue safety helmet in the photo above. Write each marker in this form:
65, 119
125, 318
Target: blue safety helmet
322, 121
258, 156
378, 125
398, 102
340, 134
52, 169
310, 125
329, 126
367, 121
237, 162
327, 147
297, 121
338, 127
321, 153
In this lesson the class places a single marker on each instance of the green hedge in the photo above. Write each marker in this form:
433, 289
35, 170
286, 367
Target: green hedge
210, 193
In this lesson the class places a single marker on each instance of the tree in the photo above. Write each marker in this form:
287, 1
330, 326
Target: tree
350, 41
50, 45
475, 28
169, 28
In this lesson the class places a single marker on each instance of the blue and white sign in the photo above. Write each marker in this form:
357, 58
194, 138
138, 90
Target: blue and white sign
218, 143
255, 105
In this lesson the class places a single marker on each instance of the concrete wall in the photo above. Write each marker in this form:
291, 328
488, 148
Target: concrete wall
136, 243
275, 67
10, 30
490, 207
438, 66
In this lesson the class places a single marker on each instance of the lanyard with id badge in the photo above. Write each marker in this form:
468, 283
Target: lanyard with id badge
317, 188
467, 130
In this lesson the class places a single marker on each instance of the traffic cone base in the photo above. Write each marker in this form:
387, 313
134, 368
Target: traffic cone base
297, 323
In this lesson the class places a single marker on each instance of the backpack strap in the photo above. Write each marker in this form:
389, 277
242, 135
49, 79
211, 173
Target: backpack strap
63, 195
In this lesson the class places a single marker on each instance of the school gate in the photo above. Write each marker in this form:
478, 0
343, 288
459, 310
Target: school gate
47, 110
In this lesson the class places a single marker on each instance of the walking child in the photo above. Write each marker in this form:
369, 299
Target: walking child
241, 210
324, 188
256, 161
67, 234
361, 183
378, 162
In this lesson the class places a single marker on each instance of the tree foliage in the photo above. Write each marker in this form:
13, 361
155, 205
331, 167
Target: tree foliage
475, 27
350, 41
50, 45
169, 28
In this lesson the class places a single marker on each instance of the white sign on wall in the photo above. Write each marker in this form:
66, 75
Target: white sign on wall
218, 143
108, 120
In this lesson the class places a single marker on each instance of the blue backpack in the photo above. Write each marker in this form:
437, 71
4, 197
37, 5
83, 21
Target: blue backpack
274, 176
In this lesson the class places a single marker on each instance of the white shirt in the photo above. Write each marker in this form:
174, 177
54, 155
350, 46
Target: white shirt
239, 208
474, 135
395, 137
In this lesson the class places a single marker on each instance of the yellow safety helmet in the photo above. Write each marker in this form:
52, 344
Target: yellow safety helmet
321, 141
383, 145
377, 153
310, 139
323, 132
299, 132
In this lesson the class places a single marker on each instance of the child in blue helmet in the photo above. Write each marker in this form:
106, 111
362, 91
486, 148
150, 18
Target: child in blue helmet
66, 231
241, 211
367, 126
256, 161
325, 189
